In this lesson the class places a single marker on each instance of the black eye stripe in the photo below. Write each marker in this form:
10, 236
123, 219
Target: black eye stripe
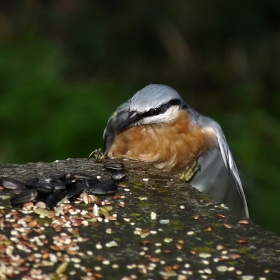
163, 108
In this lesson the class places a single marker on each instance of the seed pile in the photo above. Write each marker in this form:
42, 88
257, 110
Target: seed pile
54, 188
20, 250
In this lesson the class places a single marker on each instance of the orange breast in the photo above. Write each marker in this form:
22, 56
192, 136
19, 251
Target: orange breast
172, 146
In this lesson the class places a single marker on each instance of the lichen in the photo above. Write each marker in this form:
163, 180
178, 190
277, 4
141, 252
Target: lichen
136, 184
204, 250
244, 250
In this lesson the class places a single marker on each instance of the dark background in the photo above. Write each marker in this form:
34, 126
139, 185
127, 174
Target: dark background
65, 65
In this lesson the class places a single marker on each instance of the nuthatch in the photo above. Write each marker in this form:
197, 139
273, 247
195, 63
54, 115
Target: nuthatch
156, 126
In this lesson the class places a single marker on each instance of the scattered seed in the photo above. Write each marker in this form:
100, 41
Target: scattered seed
153, 216
121, 204
204, 255
208, 228
98, 246
167, 240
75, 260
164, 222
154, 259
118, 175
220, 247
222, 268
97, 268
244, 222
221, 216
241, 241
227, 225
235, 256
62, 268
111, 244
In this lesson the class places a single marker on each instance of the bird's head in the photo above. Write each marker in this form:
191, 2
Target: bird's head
154, 104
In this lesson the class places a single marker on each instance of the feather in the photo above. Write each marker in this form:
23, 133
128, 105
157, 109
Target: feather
218, 175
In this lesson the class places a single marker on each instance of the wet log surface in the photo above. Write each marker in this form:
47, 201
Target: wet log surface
156, 228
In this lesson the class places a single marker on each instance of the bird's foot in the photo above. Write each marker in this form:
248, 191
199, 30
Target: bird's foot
99, 156
188, 174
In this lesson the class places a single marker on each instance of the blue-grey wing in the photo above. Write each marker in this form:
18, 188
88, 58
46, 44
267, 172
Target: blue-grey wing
218, 176
117, 118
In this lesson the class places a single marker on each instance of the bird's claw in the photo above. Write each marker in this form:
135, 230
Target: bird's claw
99, 156
188, 174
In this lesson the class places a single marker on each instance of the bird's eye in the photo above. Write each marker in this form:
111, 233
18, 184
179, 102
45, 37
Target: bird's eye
156, 111
153, 112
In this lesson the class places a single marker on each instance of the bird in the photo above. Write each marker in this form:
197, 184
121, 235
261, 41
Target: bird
156, 126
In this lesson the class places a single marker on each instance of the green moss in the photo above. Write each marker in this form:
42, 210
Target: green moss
209, 243
252, 256
117, 239
244, 250
232, 263
135, 215
135, 184
218, 237
176, 225
144, 204
216, 225
205, 213
164, 190
204, 250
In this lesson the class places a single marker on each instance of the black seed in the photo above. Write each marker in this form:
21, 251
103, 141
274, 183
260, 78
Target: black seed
66, 176
10, 183
54, 198
44, 188
53, 179
77, 189
83, 176
70, 182
91, 182
41, 197
59, 178
118, 175
57, 186
114, 166
103, 188
32, 181
25, 196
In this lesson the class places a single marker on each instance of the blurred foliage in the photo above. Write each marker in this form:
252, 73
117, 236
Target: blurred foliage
65, 65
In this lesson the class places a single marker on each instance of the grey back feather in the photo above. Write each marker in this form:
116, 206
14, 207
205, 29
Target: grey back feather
218, 175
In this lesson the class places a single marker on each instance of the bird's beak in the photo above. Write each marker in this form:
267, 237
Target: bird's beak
132, 118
